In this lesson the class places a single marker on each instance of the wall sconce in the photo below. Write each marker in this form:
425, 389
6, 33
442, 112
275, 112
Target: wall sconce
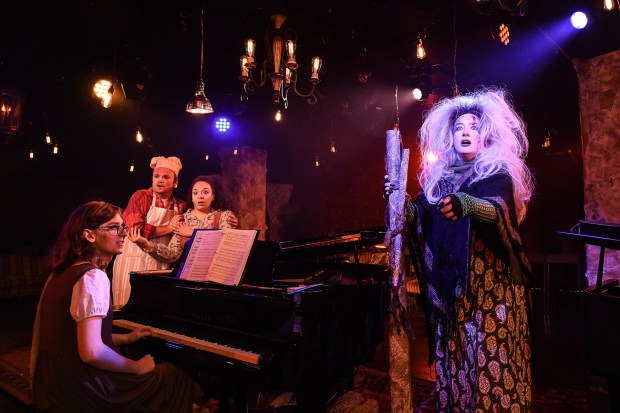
282, 73
10, 111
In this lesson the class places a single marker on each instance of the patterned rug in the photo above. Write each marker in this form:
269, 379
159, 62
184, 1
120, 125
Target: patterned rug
374, 384
14, 375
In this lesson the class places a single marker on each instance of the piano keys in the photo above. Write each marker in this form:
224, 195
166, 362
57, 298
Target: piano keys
266, 338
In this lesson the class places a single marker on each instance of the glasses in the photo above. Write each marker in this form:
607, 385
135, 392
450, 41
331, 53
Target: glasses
121, 230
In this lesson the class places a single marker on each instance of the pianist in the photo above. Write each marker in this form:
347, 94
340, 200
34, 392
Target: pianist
469, 256
75, 363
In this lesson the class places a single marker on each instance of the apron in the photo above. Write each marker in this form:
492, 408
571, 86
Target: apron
134, 259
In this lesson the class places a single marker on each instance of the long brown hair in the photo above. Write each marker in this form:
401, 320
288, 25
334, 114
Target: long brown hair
70, 244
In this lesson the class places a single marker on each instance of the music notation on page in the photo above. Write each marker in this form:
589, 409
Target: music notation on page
218, 255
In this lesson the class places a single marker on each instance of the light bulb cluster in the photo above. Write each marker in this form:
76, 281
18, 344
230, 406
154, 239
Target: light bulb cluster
103, 90
504, 34
48, 141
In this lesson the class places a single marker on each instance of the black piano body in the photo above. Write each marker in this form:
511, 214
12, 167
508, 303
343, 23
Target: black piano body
601, 307
306, 340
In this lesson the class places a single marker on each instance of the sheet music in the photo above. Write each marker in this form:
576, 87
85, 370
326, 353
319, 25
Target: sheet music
231, 256
218, 255
201, 254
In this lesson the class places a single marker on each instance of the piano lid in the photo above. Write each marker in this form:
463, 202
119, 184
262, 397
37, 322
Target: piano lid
595, 233
331, 244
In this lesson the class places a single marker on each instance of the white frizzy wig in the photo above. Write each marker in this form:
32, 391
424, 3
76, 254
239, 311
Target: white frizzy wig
503, 138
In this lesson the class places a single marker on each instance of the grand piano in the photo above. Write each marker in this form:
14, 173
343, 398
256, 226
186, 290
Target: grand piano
300, 325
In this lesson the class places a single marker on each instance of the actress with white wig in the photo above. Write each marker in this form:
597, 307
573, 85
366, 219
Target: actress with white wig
468, 254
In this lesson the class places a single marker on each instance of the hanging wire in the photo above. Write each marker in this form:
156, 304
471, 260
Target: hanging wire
455, 86
202, 38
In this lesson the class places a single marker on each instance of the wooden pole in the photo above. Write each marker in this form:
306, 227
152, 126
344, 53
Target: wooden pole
396, 164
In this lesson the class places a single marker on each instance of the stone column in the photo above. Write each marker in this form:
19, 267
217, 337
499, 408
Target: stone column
599, 107
244, 177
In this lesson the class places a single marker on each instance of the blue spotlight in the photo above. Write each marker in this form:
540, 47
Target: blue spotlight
579, 20
222, 125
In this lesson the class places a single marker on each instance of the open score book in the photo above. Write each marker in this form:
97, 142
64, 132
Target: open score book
217, 255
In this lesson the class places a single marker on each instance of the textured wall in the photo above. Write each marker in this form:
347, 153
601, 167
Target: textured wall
278, 208
599, 101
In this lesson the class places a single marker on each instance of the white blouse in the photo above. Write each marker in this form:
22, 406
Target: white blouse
91, 296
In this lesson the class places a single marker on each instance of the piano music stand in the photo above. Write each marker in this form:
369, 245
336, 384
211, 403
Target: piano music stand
601, 307
599, 234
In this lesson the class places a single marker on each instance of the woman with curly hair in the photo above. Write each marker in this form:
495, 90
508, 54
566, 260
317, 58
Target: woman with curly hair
468, 254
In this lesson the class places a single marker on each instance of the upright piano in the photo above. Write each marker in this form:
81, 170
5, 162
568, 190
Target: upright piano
601, 306
321, 314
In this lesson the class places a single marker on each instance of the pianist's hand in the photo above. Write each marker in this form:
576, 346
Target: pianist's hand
145, 364
137, 334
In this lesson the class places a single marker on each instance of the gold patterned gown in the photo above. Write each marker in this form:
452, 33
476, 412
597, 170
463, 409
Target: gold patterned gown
473, 276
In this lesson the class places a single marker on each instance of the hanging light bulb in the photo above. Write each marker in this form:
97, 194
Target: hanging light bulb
132, 167
608, 5
547, 143
139, 137
243, 62
250, 49
291, 47
236, 150
316, 161
332, 147
207, 157
55, 149
420, 52
278, 115
199, 104
316, 66
31, 154
48, 138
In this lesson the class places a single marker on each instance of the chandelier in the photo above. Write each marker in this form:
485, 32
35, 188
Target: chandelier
282, 72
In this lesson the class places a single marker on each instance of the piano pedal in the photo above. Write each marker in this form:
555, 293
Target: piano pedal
275, 403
